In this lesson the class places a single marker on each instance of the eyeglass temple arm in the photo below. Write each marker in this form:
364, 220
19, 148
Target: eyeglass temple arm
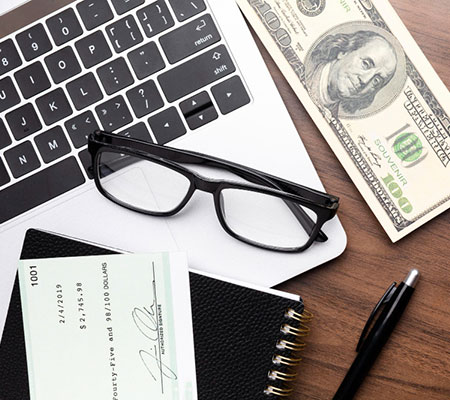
190, 157
251, 175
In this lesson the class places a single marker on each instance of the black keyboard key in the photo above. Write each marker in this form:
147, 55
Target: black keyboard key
9, 57
52, 144
94, 13
22, 159
93, 49
34, 42
115, 76
8, 94
185, 9
201, 118
196, 73
23, 121
5, 139
64, 26
32, 80
54, 106
145, 99
137, 131
123, 6
124, 34
40, 188
114, 114
63, 65
167, 125
4, 177
195, 103
80, 127
230, 94
190, 38
198, 110
84, 91
146, 60
155, 18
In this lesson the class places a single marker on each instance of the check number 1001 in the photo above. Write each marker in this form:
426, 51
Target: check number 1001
34, 275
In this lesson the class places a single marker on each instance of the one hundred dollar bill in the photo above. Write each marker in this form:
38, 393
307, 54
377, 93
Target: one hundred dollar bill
372, 94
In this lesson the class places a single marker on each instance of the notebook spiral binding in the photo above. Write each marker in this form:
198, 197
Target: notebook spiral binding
285, 360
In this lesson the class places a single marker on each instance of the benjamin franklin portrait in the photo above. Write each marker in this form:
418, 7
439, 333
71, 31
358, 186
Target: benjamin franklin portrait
346, 71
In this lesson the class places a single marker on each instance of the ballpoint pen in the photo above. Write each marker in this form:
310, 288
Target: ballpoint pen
395, 300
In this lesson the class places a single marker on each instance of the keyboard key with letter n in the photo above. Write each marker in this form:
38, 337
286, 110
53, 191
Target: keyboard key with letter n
40, 188
22, 159
196, 73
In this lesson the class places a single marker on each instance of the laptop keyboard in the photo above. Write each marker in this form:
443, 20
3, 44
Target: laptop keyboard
150, 70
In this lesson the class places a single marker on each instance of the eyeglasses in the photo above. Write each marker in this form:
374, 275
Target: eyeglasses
266, 211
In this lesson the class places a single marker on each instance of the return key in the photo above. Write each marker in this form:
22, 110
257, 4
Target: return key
190, 38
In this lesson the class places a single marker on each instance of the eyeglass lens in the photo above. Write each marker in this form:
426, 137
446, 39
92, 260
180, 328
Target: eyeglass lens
264, 219
141, 184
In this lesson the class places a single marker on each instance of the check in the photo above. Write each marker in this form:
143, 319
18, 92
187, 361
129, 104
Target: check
113, 327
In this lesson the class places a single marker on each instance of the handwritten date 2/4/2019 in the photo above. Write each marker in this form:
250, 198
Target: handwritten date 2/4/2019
149, 325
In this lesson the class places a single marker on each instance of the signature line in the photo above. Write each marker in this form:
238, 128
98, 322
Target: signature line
157, 328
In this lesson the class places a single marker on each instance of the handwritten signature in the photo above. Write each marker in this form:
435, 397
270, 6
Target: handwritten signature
147, 323
374, 158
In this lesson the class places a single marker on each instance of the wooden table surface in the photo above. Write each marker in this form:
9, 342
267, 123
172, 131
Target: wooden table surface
415, 363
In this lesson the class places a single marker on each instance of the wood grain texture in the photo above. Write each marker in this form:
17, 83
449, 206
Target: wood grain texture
415, 363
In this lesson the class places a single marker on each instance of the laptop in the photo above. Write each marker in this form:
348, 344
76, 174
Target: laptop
181, 72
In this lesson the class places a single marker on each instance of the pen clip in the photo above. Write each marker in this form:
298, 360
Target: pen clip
384, 299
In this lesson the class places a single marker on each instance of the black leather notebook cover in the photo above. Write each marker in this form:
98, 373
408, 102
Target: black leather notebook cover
236, 330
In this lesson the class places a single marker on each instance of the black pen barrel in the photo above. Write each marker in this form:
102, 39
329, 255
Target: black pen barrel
374, 342
356, 374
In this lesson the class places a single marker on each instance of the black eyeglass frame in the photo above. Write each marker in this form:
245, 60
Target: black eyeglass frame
324, 205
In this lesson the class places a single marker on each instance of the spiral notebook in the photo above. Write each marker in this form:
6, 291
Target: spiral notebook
248, 342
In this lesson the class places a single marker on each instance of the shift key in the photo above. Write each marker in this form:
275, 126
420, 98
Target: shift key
196, 73
190, 38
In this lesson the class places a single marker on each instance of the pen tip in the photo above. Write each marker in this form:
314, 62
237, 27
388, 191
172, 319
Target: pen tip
412, 278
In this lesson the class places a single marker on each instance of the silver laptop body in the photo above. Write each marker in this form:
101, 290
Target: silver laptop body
258, 133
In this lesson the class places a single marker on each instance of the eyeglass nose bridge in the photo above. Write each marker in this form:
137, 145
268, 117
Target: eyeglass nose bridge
205, 184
